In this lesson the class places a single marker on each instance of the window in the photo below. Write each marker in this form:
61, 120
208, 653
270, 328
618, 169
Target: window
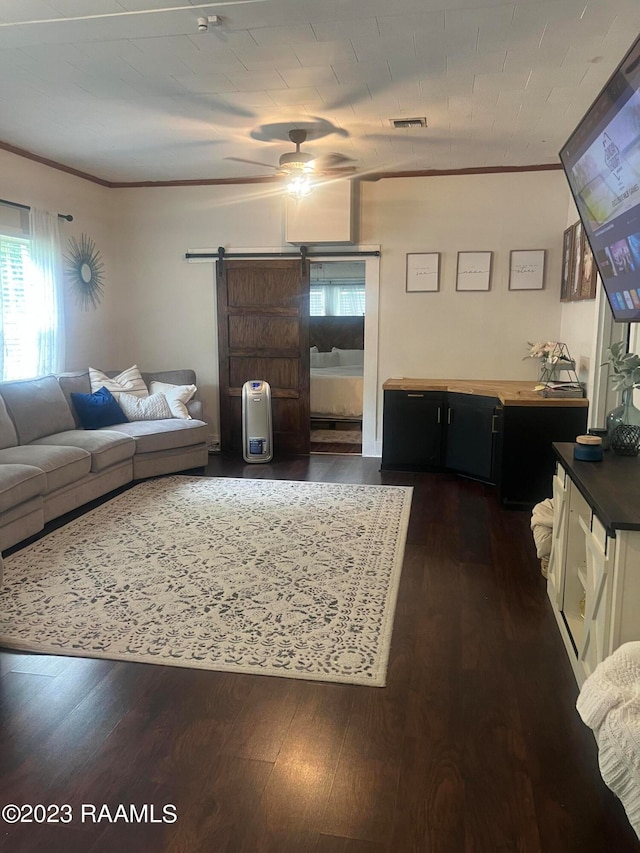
19, 356
337, 289
31, 318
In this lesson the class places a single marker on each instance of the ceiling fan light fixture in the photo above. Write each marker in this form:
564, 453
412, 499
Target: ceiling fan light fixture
296, 161
298, 183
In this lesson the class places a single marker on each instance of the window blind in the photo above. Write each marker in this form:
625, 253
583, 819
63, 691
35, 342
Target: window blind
18, 355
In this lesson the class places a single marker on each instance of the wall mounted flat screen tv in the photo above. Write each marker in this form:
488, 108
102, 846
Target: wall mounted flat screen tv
601, 160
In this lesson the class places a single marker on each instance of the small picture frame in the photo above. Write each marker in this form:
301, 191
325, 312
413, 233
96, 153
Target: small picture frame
526, 269
474, 271
423, 272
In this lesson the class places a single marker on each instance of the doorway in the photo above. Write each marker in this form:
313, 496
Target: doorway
231, 386
337, 301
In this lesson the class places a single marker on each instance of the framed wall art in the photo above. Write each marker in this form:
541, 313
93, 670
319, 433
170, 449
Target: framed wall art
474, 271
575, 282
567, 264
589, 272
423, 272
85, 271
526, 269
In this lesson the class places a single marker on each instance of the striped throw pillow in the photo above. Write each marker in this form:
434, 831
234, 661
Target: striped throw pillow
129, 381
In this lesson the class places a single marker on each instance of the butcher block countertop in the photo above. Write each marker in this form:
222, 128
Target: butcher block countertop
510, 392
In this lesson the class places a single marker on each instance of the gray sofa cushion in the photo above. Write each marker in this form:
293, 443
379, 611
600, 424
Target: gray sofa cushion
8, 435
37, 407
172, 377
163, 435
20, 483
106, 447
62, 465
74, 383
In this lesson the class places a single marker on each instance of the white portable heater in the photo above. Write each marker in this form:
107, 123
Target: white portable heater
257, 432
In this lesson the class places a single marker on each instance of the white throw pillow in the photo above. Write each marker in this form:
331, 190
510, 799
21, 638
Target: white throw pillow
177, 397
324, 359
152, 408
349, 357
130, 381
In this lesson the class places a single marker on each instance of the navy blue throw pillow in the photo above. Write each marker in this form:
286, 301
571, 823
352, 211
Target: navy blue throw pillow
98, 410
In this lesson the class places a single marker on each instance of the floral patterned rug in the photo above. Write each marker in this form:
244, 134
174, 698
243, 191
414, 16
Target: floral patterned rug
284, 578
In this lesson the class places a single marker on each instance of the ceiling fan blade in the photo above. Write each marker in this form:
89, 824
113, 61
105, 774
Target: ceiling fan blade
333, 160
253, 162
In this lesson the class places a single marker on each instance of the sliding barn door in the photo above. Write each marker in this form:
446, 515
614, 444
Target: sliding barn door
263, 333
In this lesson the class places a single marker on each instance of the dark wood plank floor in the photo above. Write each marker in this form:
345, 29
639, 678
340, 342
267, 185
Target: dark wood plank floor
335, 447
474, 746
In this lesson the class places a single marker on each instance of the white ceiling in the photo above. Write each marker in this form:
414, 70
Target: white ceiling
147, 97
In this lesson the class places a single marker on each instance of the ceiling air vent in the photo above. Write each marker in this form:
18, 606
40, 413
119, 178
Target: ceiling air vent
408, 122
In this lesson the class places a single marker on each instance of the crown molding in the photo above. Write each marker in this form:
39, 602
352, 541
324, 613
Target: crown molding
29, 155
207, 182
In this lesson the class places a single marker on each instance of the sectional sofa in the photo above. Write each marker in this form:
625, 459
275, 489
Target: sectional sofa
50, 465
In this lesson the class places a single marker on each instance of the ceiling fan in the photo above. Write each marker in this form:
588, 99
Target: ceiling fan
298, 166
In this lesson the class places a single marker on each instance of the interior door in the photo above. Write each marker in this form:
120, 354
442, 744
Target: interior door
263, 333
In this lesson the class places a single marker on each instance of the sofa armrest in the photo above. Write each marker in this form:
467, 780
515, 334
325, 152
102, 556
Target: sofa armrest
195, 409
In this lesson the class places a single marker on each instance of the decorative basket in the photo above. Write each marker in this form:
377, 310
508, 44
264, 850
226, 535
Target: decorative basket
625, 440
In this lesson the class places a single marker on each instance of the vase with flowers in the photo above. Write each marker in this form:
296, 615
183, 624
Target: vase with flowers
625, 377
554, 358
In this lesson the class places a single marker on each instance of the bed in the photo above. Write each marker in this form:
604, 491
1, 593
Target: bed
336, 384
336, 392
337, 363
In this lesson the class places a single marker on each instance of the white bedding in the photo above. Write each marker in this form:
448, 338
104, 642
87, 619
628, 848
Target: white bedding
336, 391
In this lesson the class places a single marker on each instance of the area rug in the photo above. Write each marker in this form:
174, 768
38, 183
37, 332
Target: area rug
284, 578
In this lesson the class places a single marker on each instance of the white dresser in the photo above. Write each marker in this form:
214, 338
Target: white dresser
594, 568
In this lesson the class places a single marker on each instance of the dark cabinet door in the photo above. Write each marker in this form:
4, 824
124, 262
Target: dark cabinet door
528, 459
412, 429
472, 426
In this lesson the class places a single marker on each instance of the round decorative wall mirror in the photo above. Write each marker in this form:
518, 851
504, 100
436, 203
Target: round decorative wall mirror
85, 271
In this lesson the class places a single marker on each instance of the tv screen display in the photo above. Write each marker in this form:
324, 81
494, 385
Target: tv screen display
601, 160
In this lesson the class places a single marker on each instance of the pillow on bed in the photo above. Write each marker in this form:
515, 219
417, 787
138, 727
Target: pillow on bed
324, 359
313, 349
349, 357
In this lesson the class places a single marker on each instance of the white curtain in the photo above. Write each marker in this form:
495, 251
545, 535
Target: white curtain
346, 300
45, 292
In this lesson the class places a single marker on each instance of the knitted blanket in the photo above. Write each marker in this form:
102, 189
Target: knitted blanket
609, 703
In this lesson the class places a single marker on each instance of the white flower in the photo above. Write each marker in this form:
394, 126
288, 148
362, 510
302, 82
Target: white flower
541, 349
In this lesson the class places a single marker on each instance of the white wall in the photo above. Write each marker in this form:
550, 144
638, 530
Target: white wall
479, 335
167, 306
167, 317
159, 310
89, 338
